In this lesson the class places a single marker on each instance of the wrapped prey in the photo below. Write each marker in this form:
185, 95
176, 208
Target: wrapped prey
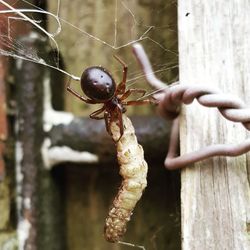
133, 169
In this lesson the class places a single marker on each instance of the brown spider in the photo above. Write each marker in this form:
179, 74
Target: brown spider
98, 84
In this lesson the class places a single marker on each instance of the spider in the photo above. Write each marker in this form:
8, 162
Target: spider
99, 86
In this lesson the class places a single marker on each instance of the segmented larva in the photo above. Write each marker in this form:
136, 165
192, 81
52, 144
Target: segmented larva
133, 169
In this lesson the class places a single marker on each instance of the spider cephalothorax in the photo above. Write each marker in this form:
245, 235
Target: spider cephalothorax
99, 86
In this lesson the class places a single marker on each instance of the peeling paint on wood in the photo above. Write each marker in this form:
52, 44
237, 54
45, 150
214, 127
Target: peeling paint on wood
52, 117
56, 155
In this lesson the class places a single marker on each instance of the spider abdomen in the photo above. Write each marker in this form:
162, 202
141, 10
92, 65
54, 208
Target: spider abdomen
98, 84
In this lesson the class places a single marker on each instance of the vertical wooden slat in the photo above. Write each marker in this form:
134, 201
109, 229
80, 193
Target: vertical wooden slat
214, 50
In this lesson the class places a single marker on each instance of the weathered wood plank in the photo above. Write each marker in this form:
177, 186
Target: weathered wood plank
214, 50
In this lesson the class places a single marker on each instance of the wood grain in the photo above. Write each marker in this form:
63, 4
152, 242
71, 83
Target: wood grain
214, 50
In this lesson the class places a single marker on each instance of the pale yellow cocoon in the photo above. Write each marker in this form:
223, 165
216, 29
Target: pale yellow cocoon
133, 169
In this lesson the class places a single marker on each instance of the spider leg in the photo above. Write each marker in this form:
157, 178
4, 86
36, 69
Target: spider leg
73, 92
106, 117
107, 122
130, 91
116, 117
97, 112
140, 102
120, 122
122, 86
118, 112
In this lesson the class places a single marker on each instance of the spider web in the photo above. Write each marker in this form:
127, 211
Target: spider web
117, 25
90, 34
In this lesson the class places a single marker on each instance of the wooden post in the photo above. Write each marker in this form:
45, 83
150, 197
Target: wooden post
214, 50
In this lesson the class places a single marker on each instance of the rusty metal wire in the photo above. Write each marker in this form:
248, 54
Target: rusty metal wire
170, 100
